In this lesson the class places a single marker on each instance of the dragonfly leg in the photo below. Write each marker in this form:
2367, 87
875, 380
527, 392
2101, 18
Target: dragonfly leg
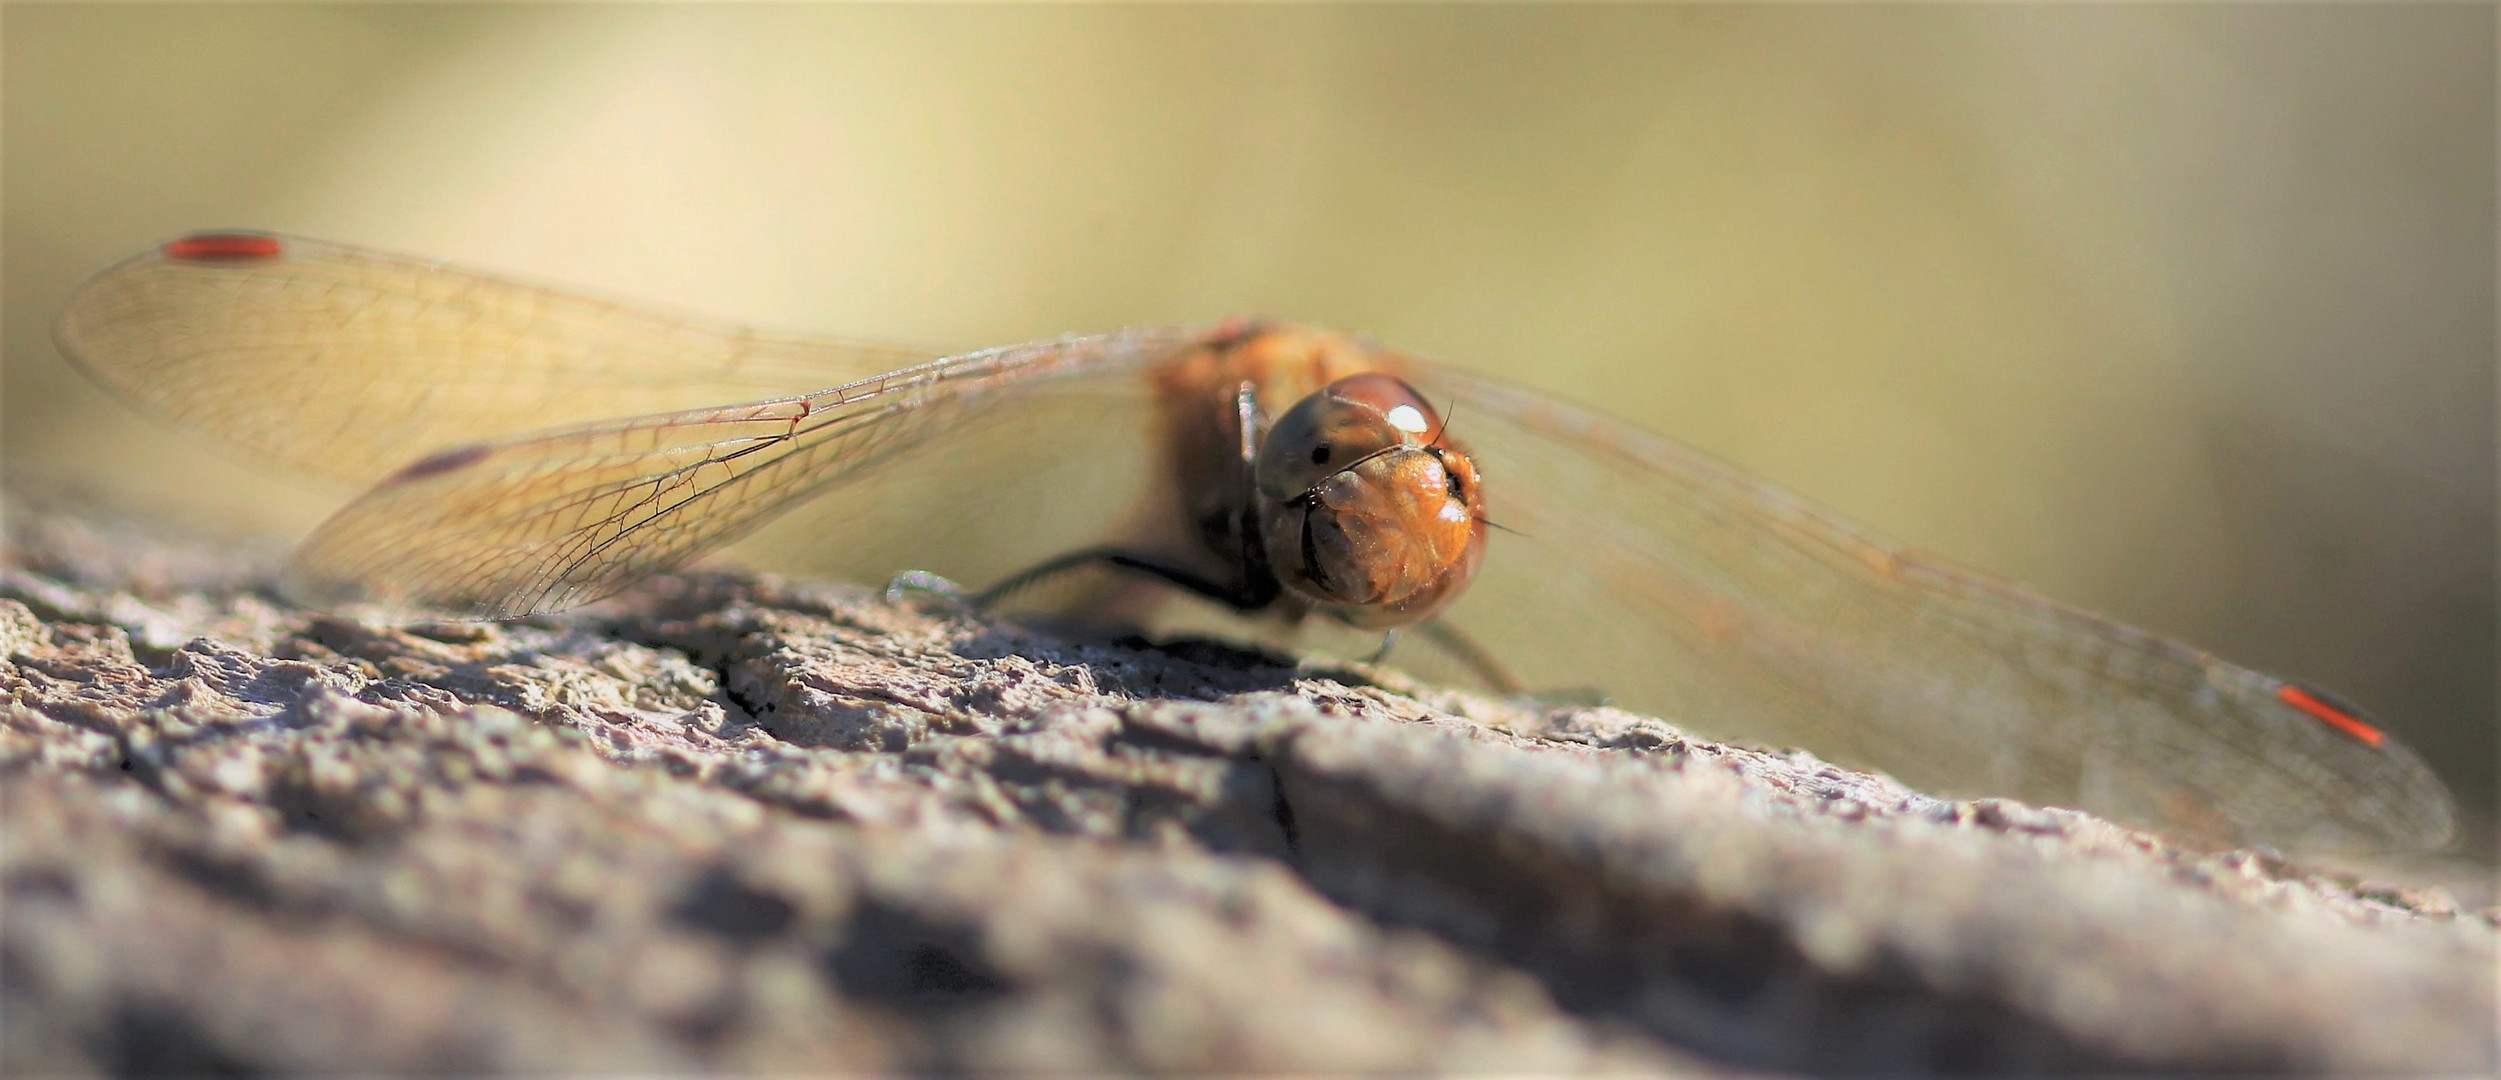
1241, 597
1388, 641
1454, 641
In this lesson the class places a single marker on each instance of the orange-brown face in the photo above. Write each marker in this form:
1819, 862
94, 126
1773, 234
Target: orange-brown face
1366, 509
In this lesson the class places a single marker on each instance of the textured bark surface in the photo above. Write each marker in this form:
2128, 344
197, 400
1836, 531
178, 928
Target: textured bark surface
730, 823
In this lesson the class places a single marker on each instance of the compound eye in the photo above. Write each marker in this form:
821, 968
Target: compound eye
1396, 401
1345, 422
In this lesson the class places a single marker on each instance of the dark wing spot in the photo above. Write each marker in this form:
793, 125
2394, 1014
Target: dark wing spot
2331, 710
219, 248
440, 462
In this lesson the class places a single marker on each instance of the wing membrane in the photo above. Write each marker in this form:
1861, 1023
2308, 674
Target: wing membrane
1642, 568
346, 364
1683, 587
543, 522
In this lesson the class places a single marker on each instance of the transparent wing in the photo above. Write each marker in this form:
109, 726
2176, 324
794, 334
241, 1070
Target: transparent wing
1679, 586
347, 364
1641, 568
547, 521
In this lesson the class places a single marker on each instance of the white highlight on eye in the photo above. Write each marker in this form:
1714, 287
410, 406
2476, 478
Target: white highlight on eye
1408, 418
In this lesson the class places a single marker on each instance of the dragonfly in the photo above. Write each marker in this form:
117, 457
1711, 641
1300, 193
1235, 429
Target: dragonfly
524, 449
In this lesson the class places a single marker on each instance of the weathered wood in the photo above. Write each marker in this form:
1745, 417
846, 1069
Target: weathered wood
734, 823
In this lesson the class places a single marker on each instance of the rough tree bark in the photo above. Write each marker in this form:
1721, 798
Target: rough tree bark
740, 823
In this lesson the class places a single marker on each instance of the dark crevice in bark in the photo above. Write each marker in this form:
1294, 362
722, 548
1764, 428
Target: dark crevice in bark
1281, 809
146, 1039
1727, 984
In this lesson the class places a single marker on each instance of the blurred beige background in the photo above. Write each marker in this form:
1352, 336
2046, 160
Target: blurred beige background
2181, 313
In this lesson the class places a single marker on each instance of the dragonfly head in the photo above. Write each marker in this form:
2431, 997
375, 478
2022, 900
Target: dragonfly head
1366, 507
